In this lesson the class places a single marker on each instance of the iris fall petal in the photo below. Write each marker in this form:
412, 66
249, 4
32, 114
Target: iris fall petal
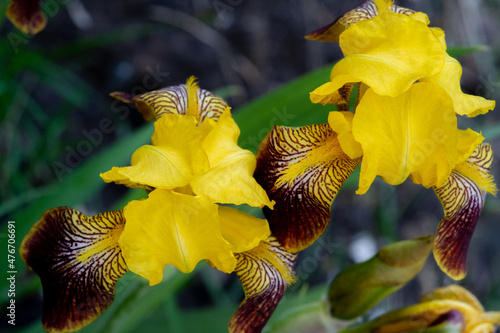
462, 196
79, 262
265, 272
302, 170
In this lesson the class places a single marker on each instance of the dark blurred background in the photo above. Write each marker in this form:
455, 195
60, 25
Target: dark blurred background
55, 85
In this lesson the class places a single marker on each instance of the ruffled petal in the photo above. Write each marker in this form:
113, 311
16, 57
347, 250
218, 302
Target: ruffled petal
386, 61
243, 231
367, 10
414, 134
462, 197
79, 262
229, 179
176, 100
265, 272
175, 157
449, 79
302, 170
176, 229
26, 16
341, 123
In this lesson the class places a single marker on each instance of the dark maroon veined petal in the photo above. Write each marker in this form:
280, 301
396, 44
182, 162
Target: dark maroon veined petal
265, 272
462, 196
301, 169
176, 100
367, 10
26, 15
79, 262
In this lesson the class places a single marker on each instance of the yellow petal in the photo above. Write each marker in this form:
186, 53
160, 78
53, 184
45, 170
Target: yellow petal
176, 229
367, 10
230, 177
453, 292
341, 123
468, 140
243, 231
449, 79
175, 157
387, 61
301, 169
79, 262
26, 15
175, 100
414, 135
265, 272
462, 196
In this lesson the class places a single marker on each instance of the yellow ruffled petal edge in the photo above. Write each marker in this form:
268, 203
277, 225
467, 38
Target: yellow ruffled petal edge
26, 16
175, 157
175, 229
388, 62
302, 170
265, 272
79, 262
462, 196
230, 177
449, 79
243, 231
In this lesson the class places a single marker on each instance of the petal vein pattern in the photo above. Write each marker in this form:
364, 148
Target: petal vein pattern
175, 100
463, 201
265, 272
79, 262
302, 170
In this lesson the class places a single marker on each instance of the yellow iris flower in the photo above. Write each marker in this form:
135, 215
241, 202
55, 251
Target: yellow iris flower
404, 125
193, 165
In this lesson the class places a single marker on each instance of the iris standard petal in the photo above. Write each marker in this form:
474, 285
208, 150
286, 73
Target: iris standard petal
26, 15
175, 157
414, 134
176, 229
387, 61
265, 272
230, 177
243, 231
175, 100
79, 262
462, 196
449, 79
367, 10
302, 170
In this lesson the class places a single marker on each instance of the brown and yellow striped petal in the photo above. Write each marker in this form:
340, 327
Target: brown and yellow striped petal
26, 15
265, 272
181, 99
367, 10
302, 170
79, 262
462, 196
